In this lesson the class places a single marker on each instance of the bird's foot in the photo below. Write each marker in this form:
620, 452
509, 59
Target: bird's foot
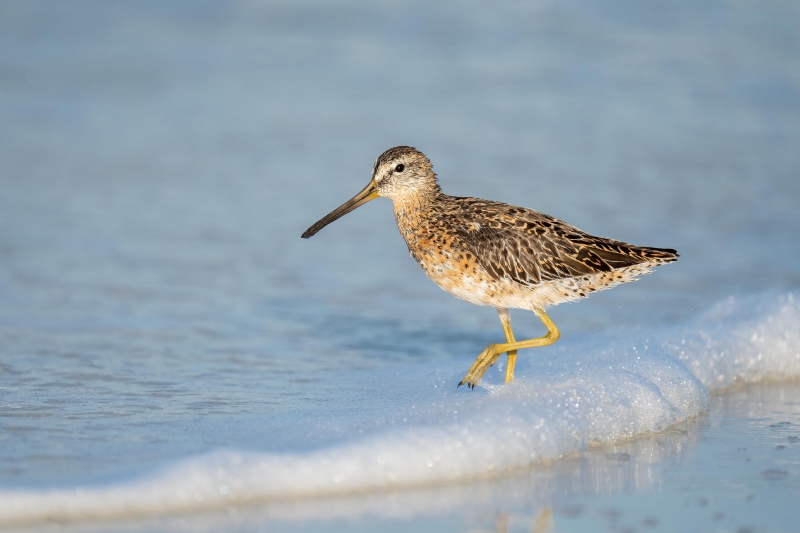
487, 358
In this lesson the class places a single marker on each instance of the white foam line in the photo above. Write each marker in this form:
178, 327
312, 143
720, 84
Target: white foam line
743, 340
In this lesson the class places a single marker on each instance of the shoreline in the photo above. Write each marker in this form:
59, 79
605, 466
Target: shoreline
752, 433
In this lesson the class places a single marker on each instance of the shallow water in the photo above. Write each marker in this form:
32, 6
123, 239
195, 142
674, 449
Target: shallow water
730, 469
158, 164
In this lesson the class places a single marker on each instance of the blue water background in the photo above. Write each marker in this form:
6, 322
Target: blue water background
159, 161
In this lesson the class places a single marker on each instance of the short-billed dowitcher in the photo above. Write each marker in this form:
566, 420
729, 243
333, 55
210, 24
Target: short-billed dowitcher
495, 254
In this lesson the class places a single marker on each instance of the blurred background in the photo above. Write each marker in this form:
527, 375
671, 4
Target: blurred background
207, 136
159, 161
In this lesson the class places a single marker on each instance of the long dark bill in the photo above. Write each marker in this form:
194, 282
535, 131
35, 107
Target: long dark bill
369, 192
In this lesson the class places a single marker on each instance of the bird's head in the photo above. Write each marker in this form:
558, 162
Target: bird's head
401, 173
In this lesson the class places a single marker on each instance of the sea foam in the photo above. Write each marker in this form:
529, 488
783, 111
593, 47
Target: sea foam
617, 385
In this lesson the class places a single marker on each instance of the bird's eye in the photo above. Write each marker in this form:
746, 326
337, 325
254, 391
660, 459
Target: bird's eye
400, 167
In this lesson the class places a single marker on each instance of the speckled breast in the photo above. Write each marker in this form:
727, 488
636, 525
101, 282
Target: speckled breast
436, 248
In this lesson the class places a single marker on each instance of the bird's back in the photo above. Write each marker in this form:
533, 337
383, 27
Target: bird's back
491, 253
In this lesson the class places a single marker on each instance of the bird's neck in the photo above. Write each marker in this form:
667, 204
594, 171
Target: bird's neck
418, 201
412, 215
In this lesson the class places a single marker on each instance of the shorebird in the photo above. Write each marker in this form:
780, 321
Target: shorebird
495, 254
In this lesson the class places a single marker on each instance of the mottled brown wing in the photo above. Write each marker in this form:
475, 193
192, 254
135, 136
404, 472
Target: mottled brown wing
530, 247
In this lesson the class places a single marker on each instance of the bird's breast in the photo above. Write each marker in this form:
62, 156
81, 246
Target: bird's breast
436, 247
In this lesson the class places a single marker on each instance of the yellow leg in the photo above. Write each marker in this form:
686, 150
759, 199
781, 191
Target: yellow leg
492, 352
505, 320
